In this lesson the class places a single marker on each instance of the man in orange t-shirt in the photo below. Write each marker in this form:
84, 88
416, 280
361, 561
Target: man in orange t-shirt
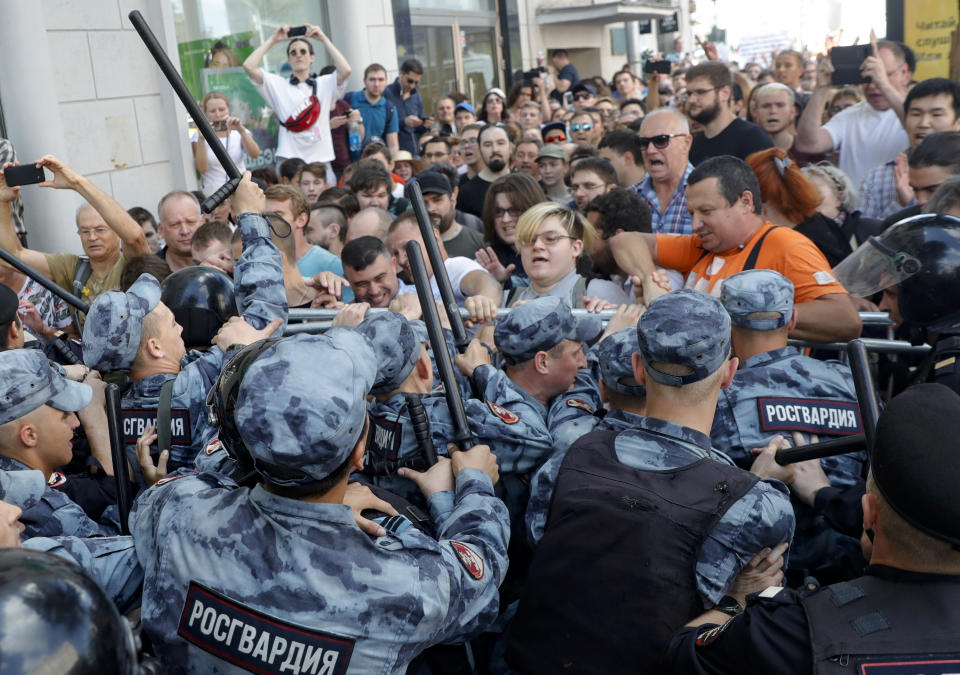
730, 236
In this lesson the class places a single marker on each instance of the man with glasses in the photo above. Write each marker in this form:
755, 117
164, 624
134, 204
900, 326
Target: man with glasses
590, 178
584, 96
404, 95
664, 143
302, 102
102, 226
868, 133
709, 102
495, 152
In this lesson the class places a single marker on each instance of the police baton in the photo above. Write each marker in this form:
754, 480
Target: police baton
120, 471
203, 125
61, 293
461, 429
869, 413
415, 196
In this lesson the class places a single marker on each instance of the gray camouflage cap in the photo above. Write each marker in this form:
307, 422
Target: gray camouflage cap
301, 406
22, 488
29, 382
111, 334
753, 291
397, 347
684, 328
539, 325
420, 330
615, 354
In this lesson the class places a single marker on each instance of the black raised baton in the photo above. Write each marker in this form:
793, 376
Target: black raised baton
61, 293
120, 472
415, 196
461, 428
203, 125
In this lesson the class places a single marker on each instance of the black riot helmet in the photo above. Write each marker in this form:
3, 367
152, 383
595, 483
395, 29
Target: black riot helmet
201, 298
922, 255
58, 620
222, 403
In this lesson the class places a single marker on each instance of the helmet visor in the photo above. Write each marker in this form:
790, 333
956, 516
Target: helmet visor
873, 267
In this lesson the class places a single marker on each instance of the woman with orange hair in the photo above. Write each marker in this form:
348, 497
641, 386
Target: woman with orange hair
791, 199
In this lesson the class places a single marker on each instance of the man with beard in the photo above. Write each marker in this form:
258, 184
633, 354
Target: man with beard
495, 151
437, 197
709, 92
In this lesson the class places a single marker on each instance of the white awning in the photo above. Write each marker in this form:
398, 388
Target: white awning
604, 12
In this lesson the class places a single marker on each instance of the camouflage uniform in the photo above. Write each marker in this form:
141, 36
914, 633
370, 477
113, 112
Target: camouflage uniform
28, 383
780, 391
397, 344
112, 337
257, 580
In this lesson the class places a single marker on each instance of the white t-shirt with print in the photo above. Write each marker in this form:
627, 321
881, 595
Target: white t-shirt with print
288, 100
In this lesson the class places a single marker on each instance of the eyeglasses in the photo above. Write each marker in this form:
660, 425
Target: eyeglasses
556, 139
468, 141
298, 52
659, 142
87, 233
582, 96
586, 126
548, 239
513, 212
698, 93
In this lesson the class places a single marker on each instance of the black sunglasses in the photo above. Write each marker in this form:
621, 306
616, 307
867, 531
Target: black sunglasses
582, 96
659, 142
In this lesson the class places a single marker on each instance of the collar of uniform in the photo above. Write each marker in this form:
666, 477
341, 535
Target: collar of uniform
297, 508
10, 464
622, 417
680, 432
769, 357
150, 386
895, 574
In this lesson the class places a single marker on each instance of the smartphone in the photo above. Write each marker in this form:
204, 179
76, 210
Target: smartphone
568, 98
662, 67
220, 125
846, 64
27, 174
297, 30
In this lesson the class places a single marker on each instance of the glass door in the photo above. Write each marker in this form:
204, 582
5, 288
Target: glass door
434, 47
478, 46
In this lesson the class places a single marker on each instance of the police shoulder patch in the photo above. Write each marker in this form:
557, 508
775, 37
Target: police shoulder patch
170, 479
56, 479
583, 405
469, 558
213, 446
817, 416
507, 416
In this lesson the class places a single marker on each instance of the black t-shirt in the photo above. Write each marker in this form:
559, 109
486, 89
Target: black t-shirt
569, 73
740, 139
472, 194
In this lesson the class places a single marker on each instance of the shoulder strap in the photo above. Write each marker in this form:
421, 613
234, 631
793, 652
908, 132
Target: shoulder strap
163, 415
755, 251
579, 290
80, 278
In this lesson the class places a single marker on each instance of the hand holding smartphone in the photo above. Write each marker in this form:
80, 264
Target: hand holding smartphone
220, 125
297, 31
846, 63
26, 174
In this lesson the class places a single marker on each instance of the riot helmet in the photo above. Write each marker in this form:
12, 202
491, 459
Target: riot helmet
201, 299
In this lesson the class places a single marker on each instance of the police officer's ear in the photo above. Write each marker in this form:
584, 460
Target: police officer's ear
604, 392
424, 369
793, 321
541, 362
731, 369
360, 449
639, 372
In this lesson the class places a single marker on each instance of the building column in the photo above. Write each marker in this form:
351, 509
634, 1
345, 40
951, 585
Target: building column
364, 34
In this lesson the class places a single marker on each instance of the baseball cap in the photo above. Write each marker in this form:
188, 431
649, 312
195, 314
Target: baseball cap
9, 304
916, 459
747, 293
396, 345
30, 382
553, 151
434, 182
464, 105
496, 90
583, 86
539, 325
553, 126
111, 334
299, 424
684, 328
615, 354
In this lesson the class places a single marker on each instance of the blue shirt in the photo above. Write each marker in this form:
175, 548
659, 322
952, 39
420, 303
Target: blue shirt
375, 122
412, 105
318, 260
674, 218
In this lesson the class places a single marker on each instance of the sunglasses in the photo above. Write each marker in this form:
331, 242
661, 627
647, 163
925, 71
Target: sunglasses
556, 139
586, 126
660, 142
582, 97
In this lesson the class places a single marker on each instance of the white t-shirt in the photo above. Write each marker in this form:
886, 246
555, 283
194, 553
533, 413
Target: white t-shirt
866, 138
215, 175
457, 268
287, 100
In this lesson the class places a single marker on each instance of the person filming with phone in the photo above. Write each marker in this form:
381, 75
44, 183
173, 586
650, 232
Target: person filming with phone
302, 102
236, 138
866, 134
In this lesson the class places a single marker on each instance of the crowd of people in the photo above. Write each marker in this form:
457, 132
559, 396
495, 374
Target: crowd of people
299, 504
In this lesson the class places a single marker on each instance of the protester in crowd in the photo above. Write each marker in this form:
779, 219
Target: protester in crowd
342, 197
465, 115
302, 103
508, 198
437, 150
443, 115
237, 141
931, 163
869, 133
631, 109
495, 152
788, 68
405, 166
525, 156
149, 225
102, 225
292, 206
211, 246
622, 149
372, 184
327, 226
406, 98
567, 76
838, 202
494, 107
664, 142
584, 130
312, 180
458, 240
470, 152
589, 178
381, 118
552, 164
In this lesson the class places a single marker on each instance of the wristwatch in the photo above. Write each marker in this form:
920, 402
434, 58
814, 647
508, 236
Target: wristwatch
729, 605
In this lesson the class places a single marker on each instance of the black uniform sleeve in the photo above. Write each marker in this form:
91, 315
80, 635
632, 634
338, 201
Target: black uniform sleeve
771, 637
842, 509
